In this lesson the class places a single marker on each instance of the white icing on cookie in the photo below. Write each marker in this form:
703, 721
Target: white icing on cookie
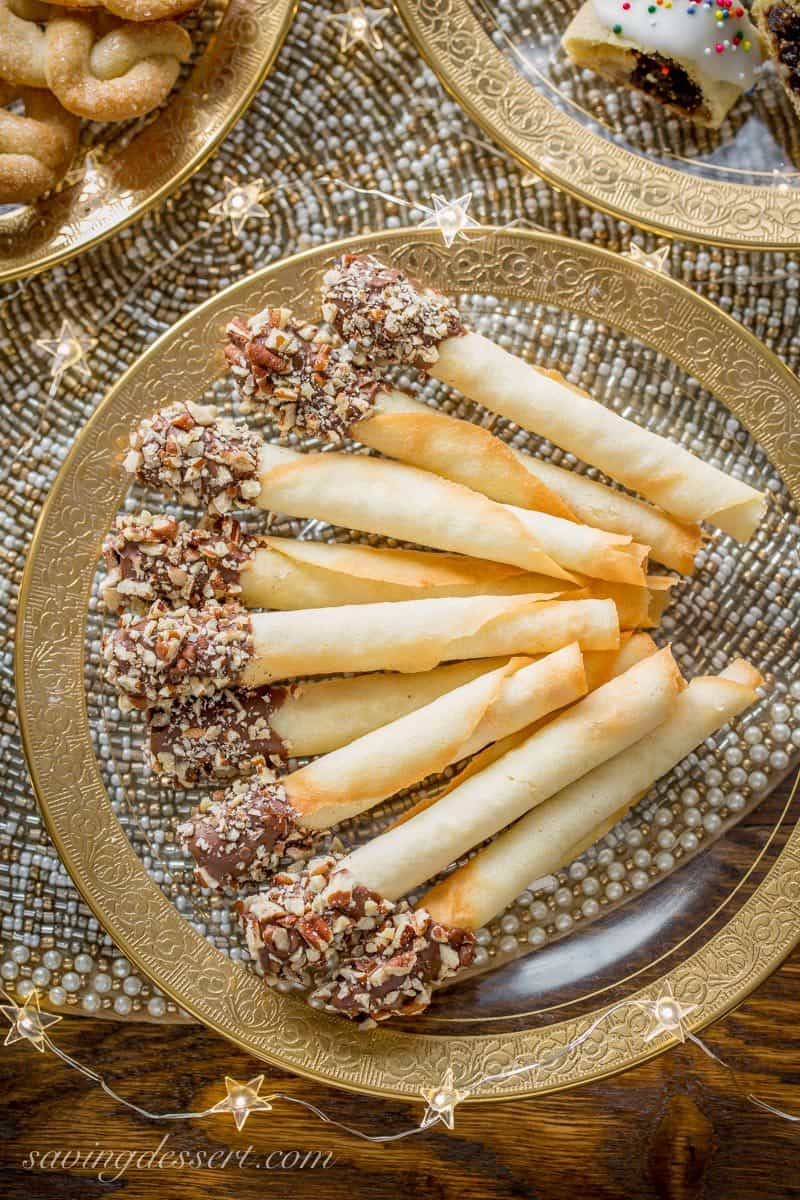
717, 35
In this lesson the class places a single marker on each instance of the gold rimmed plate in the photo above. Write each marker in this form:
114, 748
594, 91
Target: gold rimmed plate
711, 924
129, 171
615, 149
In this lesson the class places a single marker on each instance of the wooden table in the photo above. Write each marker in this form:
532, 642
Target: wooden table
674, 1128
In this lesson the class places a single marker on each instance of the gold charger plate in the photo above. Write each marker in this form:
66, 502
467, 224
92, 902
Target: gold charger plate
749, 932
546, 132
133, 178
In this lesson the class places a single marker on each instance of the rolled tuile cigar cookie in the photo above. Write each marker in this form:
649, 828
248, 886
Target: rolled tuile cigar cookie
394, 319
187, 450
243, 835
182, 653
552, 834
212, 739
151, 558
314, 388
595, 728
354, 988
599, 668
605, 722
298, 929
310, 386
371, 495
672, 543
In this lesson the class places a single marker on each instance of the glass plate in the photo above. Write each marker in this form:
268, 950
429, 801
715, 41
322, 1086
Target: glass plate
608, 145
642, 907
134, 165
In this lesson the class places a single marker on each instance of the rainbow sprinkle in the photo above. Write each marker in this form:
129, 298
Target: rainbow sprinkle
723, 11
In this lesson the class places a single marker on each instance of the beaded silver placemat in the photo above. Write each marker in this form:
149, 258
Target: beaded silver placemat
376, 121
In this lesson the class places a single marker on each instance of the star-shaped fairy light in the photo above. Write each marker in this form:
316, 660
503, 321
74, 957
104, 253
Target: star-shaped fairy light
654, 260
441, 1101
450, 217
27, 1021
68, 351
241, 201
243, 1099
360, 24
668, 1014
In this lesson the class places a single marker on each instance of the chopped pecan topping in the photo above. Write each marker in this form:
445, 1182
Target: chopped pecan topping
203, 459
394, 968
298, 927
244, 834
213, 738
389, 316
311, 386
177, 652
158, 558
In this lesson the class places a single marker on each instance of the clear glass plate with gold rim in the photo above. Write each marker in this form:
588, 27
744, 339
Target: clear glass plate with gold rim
614, 147
695, 888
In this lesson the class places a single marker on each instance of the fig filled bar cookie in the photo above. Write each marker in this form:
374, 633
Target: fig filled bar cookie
697, 58
779, 24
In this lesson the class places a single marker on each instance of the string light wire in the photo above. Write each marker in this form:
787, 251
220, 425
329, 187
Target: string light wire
667, 1014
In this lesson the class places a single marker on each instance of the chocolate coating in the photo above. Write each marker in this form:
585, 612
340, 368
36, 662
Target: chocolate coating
311, 387
393, 971
152, 558
297, 928
215, 738
244, 834
177, 652
389, 316
188, 451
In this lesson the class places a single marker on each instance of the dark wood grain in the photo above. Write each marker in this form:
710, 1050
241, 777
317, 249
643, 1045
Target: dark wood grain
673, 1129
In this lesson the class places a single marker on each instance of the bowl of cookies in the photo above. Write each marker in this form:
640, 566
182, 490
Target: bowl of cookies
105, 108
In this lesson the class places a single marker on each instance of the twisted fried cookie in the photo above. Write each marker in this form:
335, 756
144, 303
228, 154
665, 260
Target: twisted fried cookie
122, 74
35, 149
136, 10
